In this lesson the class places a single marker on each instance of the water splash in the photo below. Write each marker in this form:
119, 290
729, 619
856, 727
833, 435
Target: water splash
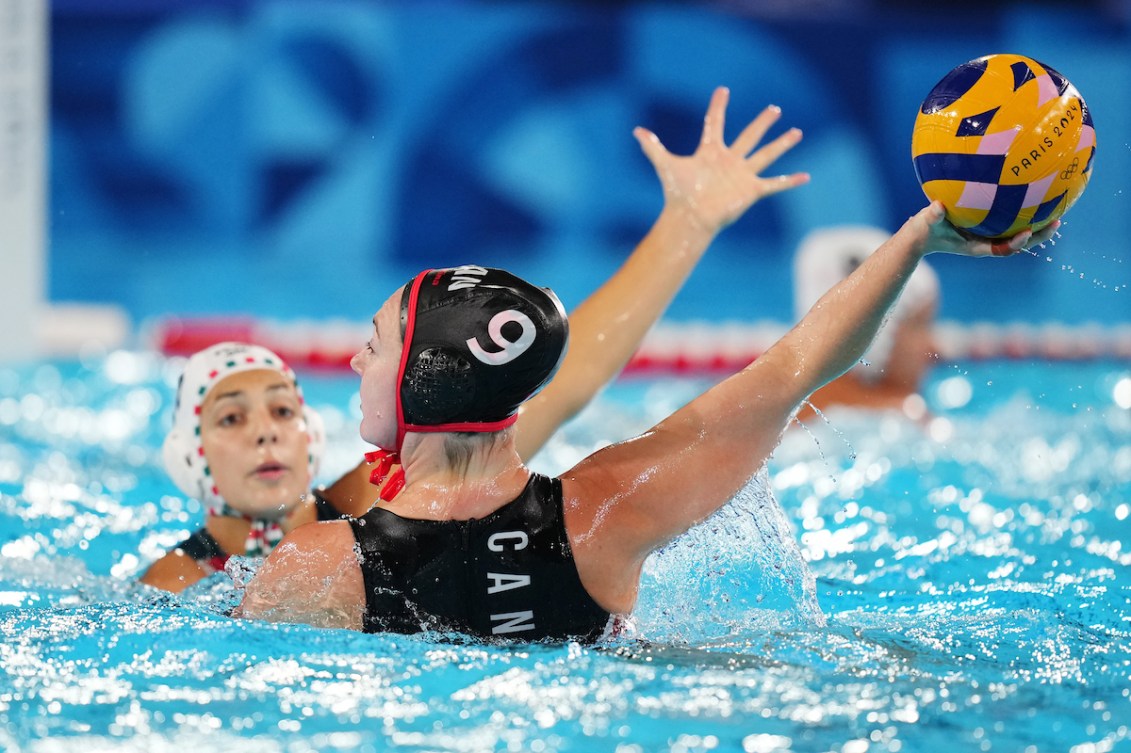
1069, 269
833, 427
977, 591
738, 569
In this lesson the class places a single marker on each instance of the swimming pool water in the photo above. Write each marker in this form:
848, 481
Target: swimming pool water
961, 582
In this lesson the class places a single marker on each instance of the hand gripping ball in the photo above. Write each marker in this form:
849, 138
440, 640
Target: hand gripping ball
1005, 143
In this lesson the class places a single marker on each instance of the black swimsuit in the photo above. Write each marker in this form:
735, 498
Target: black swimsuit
203, 547
508, 575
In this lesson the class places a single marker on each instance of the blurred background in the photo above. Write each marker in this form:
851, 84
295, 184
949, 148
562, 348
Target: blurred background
297, 160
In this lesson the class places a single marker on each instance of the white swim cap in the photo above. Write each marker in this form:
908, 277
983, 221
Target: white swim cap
828, 255
183, 452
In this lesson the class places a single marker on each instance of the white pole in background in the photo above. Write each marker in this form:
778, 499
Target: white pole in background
23, 125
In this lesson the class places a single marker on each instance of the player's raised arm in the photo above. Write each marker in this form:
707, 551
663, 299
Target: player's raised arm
704, 192
630, 499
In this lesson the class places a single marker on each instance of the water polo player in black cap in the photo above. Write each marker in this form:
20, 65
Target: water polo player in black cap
477, 343
477, 543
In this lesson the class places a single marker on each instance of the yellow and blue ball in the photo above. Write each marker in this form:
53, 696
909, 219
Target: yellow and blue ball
1006, 143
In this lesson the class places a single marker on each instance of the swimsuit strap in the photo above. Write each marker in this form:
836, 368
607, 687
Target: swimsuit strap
325, 508
202, 547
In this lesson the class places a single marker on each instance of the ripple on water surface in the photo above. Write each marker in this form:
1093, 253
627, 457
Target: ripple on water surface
959, 583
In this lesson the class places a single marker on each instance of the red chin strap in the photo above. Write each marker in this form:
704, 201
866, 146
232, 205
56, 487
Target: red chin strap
390, 485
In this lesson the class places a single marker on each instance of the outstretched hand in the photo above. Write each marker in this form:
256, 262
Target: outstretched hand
943, 237
718, 183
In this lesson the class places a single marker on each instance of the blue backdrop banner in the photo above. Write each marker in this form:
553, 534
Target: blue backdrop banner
293, 159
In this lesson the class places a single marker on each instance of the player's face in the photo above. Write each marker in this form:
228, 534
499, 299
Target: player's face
255, 440
378, 364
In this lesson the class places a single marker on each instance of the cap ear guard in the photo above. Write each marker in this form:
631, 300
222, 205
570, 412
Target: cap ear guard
438, 382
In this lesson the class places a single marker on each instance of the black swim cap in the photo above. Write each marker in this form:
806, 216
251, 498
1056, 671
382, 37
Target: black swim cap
478, 343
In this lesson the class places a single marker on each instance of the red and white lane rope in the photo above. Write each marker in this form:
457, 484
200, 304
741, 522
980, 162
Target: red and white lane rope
670, 348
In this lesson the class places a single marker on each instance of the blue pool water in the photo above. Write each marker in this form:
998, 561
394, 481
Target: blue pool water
960, 583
